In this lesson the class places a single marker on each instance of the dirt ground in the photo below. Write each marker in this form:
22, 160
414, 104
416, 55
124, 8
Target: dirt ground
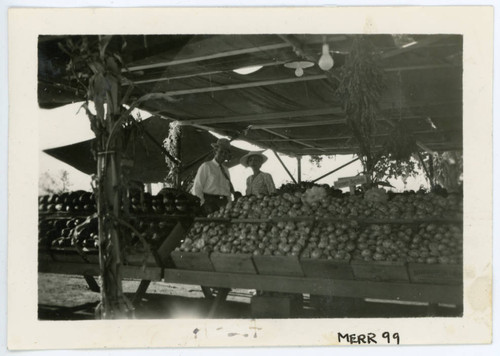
68, 297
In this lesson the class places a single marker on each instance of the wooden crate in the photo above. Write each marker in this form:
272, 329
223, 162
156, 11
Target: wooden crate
233, 263
278, 265
380, 271
435, 273
331, 269
196, 261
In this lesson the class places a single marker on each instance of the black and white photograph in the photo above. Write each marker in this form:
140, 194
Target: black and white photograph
267, 177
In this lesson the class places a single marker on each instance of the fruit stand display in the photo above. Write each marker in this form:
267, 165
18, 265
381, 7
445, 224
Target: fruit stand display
316, 240
360, 243
67, 230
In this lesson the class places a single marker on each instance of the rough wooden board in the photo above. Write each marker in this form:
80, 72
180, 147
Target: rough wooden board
236, 263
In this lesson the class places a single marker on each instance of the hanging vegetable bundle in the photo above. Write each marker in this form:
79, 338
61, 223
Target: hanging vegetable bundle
360, 87
400, 144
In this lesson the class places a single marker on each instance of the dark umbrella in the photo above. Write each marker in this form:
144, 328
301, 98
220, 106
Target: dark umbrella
145, 150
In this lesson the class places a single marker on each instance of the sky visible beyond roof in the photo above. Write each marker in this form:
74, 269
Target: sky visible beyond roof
67, 125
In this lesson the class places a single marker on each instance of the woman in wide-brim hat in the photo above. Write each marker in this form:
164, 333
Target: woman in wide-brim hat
259, 183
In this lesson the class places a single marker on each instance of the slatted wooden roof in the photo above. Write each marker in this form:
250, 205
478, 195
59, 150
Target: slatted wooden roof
272, 107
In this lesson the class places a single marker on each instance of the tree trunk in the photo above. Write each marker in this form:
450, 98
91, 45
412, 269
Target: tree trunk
114, 305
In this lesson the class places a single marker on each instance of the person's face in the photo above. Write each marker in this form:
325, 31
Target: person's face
222, 155
255, 162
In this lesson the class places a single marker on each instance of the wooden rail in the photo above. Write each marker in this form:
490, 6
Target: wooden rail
401, 291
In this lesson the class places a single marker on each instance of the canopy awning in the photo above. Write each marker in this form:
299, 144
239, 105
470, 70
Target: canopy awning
149, 160
273, 107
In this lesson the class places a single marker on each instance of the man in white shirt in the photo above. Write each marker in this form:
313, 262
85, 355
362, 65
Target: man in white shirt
212, 182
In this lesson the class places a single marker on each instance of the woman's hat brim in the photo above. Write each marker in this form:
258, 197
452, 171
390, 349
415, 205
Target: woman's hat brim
244, 159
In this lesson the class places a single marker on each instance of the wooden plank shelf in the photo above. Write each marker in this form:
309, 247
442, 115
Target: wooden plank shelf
393, 221
195, 261
433, 273
437, 220
233, 262
166, 217
249, 221
403, 291
380, 271
90, 269
63, 215
215, 220
278, 265
288, 218
330, 269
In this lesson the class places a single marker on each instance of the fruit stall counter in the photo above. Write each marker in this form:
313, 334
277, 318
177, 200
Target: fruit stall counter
419, 271
408, 248
68, 239
432, 293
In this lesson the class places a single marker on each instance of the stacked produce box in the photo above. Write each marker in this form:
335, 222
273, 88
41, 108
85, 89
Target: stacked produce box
321, 233
68, 225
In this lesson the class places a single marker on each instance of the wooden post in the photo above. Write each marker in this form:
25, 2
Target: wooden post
335, 170
425, 168
299, 169
431, 169
286, 169
177, 173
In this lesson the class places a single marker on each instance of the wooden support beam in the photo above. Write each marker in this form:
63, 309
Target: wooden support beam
299, 48
286, 169
402, 291
314, 151
350, 149
245, 85
219, 299
215, 55
299, 124
424, 166
299, 169
266, 116
200, 74
350, 136
301, 114
328, 75
308, 139
419, 44
141, 291
420, 67
335, 170
93, 286
291, 139
88, 269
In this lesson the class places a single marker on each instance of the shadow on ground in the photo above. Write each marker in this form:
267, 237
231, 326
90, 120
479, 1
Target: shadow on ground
156, 306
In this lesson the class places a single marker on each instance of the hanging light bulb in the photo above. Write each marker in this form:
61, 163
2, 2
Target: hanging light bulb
326, 60
299, 66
